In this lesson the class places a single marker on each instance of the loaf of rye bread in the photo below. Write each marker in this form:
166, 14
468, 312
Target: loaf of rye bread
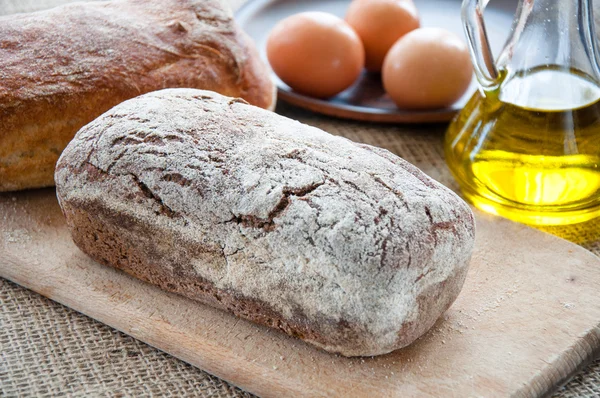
62, 68
343, 245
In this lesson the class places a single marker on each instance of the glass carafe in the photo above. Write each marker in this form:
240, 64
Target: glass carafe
527, 144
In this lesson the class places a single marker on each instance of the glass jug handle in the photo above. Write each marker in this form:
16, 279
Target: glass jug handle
481, 53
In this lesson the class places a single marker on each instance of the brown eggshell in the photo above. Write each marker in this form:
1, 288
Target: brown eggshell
379, 24
427, 68
315, 53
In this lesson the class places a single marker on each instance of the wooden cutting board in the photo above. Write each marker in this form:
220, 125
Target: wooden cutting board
527, 318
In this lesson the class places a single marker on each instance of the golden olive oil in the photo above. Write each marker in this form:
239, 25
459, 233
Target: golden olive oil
530, 150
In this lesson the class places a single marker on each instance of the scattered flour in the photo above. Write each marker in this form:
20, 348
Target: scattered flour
17, 236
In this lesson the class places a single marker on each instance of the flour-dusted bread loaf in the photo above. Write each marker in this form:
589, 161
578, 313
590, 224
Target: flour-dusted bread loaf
62, 68
343, 245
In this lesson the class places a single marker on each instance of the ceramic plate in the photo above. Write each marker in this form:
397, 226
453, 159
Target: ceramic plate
366, 99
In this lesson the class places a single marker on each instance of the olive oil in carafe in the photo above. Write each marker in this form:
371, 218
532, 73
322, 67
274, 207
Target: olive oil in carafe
530, 150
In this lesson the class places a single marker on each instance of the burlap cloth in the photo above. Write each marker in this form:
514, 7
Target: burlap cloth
47, 349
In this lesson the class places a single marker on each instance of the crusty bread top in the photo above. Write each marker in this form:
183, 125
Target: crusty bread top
125, 44
277, 211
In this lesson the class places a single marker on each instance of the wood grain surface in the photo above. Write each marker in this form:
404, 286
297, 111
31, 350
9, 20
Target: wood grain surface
528, 317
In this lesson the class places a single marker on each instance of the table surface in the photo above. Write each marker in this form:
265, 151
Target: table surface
48, 349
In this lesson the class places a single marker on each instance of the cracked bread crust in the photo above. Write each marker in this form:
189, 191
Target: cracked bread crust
63, 67
343, 245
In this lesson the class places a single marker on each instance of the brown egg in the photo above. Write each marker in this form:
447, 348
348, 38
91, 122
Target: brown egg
427, 68
379, 24
315, 53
